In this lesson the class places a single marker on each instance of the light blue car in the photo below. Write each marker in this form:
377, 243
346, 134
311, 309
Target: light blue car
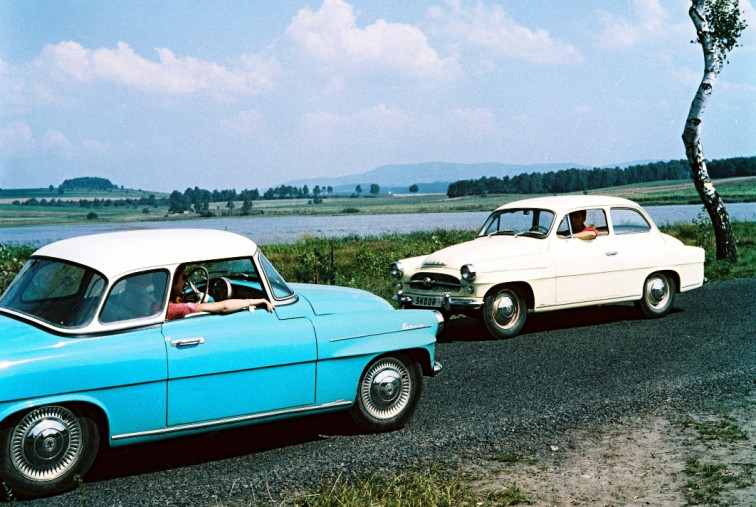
88, 357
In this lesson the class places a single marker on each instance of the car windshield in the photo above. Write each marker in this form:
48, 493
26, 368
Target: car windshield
63, 294
531, 222
277, 283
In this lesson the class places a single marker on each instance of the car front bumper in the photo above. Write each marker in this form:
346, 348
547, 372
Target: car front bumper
447, 301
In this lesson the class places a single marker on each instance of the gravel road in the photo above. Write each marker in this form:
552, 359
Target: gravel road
572, 369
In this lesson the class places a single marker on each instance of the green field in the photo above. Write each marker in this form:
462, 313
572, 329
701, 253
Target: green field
668, 192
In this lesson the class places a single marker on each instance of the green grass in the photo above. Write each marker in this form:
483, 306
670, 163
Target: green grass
708, 482
701, 233
428, 487
362, 262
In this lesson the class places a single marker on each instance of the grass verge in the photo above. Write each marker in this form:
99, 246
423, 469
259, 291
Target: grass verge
433, 487
716, 482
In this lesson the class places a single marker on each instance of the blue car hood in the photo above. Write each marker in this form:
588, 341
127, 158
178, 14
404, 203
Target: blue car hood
329, 299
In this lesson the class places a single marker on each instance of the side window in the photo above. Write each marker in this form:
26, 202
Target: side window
593, 218
135, 297
628, 221
597, 218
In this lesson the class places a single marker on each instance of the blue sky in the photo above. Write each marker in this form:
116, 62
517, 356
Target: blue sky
251, 94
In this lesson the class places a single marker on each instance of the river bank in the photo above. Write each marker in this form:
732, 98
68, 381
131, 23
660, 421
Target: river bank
267, 230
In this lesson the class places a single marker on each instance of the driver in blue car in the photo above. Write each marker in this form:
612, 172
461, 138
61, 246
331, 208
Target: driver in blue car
178, 309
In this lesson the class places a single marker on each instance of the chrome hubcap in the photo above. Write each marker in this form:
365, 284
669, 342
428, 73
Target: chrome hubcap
385, 389
505, 309
657, 291
46, 443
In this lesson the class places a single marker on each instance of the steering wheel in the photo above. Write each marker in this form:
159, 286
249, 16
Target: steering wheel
191, 289
220, 288
539, 229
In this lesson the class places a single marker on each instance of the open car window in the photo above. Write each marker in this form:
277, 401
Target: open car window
60, 293
237, 278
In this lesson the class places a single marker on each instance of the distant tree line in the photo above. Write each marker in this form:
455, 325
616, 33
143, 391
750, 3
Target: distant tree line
198, 200
576, 180
291, 192
150, 201
88, 182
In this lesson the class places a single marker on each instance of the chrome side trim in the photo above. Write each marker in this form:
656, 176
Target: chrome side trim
405, 327
589, 301
232, 420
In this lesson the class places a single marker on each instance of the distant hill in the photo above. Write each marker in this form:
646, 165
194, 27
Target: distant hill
430, 177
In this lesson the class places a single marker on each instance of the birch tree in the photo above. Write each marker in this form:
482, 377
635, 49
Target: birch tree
718, 26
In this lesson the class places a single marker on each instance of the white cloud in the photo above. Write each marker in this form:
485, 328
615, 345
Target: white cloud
16, 139
170, 74
331, 36
322, 122
494, 31
56, 142
244, 124
382, 117
648, 22
472, 119
371, 121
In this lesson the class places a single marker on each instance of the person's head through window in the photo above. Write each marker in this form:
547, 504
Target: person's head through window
579, 229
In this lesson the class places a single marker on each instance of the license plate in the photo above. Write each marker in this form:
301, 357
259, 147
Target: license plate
426, 301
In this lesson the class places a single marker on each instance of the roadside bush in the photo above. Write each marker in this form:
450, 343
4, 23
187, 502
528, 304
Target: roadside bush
12, 259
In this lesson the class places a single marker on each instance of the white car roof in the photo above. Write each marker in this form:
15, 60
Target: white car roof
564, 203
115, 253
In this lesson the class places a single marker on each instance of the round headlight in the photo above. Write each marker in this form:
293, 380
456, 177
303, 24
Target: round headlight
468, 272
396, 270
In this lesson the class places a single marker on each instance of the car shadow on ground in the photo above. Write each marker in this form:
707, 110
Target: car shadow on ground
114, 462
468, 329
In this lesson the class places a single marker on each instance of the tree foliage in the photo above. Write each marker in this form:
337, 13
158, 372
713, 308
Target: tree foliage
577, 180
88, 182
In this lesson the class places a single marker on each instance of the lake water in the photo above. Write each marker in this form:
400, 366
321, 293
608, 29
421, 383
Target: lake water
289, 229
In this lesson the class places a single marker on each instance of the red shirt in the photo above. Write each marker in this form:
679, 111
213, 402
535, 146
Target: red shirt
586, 229
180, 310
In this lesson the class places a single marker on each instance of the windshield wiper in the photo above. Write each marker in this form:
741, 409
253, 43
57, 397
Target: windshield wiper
501, 231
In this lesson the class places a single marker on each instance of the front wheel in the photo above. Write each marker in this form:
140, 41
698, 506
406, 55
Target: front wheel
46, 450
504, 312
658, 295
387, 394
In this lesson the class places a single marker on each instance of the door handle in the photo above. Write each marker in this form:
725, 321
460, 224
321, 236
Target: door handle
610, 253
188, 342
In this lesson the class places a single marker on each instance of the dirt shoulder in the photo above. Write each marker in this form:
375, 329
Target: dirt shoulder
661, 459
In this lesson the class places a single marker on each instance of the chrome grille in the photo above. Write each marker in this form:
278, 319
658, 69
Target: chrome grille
435, 282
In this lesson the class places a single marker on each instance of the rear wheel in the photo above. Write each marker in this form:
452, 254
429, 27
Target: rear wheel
46, 449
387, 394
504, 312
658, 295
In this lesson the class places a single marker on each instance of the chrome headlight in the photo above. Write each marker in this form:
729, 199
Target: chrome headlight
468, 272
396, 270
440, 319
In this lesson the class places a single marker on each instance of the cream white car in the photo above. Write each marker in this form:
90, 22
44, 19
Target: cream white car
527, 257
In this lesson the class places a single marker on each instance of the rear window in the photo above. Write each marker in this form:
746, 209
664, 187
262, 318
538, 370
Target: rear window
628, 221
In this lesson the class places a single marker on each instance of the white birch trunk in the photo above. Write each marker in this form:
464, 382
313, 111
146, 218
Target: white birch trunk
720, 219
